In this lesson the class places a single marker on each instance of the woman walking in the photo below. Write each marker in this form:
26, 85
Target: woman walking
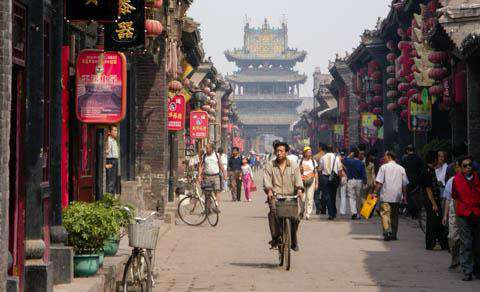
247, 178
308, 169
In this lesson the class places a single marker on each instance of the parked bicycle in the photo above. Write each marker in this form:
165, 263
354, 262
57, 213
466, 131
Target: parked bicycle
197, 205
138, 271
287, 210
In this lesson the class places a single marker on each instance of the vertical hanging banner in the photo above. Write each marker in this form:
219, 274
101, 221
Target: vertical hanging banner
98, 10
176, 113
198, 125
420, 115
101, 87
369, 131
128, 31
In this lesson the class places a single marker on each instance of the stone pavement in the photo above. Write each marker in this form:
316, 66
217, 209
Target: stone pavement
334, 256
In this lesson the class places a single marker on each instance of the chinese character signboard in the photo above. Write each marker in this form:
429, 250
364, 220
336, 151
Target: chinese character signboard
369, 131
128, 32
101, 87
420, 115
176, 113
338, 133
198, 125
98, 10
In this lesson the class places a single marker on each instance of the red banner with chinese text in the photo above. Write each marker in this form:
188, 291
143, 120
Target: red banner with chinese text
176, 113
101, 87
198, 125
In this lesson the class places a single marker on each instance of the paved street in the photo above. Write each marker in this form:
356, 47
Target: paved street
334, 256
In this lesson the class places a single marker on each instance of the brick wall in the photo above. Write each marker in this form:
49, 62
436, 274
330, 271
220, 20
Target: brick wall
151, 130
5, 98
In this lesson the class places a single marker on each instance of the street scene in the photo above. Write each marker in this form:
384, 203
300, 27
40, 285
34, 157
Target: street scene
274, 145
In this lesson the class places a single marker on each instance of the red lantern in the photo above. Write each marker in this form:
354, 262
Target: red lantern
437, 73
362, 106
402, 73
392, 94
391, 69
392, 82
392, 106
377, 75
154, 3
377, 99
206, 90
403, 87
377, 111
437, 57
391, 45
403, 100
436, 90
404, 46
377, 88
205, 107
153, 27
391, 57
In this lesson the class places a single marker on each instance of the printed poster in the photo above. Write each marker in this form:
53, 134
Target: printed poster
198, 125
101, 87
176, 113
369, 131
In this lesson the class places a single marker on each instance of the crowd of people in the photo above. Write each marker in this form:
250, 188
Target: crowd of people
446, 187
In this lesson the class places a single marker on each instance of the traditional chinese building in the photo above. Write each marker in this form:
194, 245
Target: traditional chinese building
266, 84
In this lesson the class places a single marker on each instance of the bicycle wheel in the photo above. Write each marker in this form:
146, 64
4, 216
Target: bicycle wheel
287, 244
137, 276
191, 210
281, 251
212, 210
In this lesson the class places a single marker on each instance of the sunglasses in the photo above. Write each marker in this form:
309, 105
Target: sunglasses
467, 165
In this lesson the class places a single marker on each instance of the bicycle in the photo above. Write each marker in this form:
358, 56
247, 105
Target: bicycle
138, 272
287, 210
193, 209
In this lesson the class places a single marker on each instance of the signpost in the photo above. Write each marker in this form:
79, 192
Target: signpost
198, 125
176, 113
101, 87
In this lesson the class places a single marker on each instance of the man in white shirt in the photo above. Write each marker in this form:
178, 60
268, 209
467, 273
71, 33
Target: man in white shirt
328, 164
224, 160
112, 156
392, 183
211, 169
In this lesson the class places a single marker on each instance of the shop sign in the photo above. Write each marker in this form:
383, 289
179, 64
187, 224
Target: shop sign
128, 31
338, 133
420, 115
101, 87
98, 10
369, 131
198, 125
176, 113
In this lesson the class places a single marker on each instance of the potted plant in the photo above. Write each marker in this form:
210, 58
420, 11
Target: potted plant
121, 216
88, 226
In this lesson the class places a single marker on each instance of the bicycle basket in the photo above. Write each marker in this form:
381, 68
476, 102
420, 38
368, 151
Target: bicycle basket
288, 208
143, 235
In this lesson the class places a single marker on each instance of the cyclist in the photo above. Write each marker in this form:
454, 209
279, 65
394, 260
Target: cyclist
281, 177
211, 171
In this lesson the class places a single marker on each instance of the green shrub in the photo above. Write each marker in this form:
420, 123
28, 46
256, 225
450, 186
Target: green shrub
122, 216
89, 225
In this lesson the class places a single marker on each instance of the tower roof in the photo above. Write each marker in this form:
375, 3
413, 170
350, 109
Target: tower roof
251, 78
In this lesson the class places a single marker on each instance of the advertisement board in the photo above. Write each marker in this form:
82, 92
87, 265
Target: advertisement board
198, 125
338, 133
368, 129
176, 113
128, 31
420, 115
101, 87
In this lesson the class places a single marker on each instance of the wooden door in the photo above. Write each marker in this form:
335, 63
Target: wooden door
17, 181
85, 190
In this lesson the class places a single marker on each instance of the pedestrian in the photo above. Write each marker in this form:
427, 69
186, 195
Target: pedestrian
414, 168
356, 178
293, 157
342, 190
320, 203
308, 169
211, 171
247, 179
112, 156
281, 177
391, 183
450, 219
331, 168
466, 193
441, 168
235, 174
435, 230
224, 160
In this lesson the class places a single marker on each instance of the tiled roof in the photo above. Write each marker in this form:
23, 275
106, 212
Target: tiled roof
291, 78
290, 55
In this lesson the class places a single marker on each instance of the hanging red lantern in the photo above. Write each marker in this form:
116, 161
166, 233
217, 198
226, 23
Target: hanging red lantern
377, 99
402, 73
391, 69
377, 75
404, 87
205, 107
392, 82
377, 88
436, 90
391, 57
437, 73
403, 100
391, 45
377, 111
362, 106
206, 90
153, 27
392, 106
154, 3
404, 46
392, 94
437, 57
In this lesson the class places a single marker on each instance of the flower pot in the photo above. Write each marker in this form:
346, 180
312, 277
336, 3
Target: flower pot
85, 265
101, 257
110, 246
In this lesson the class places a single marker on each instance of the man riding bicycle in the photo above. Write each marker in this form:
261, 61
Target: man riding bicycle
281, 178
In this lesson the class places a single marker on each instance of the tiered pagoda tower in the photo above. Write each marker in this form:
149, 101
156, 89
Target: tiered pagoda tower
266, 85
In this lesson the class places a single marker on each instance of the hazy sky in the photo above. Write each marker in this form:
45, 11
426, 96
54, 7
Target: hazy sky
321, 27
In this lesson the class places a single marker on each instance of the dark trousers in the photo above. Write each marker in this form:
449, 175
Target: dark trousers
414, 200
435, 230
276, 227
320, 204
469, 232
236, 185
329, 194
112, 176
